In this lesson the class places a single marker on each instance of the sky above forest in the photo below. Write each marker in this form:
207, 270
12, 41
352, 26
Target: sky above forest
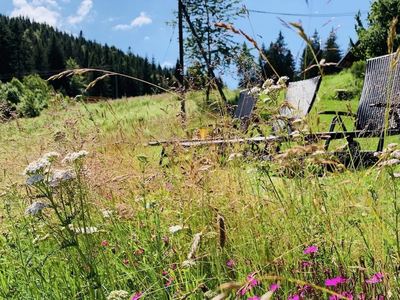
141, 24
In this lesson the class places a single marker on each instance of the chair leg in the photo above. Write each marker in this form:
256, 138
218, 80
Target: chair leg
163, 154
331, 128
381, 141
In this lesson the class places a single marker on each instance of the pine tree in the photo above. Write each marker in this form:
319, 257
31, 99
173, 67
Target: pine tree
332, 53
308, 64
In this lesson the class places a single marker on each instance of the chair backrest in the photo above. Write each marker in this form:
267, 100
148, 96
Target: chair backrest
301, 95
381, 84
245, 104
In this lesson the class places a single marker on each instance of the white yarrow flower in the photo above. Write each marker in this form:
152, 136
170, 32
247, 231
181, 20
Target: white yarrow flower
283, 80
189, 263
118, 295
255, 90
60, 175
268, 83
51, 156
107, 213
35, 208
34, 179
88, 230
37, 167
175, 228
72, 157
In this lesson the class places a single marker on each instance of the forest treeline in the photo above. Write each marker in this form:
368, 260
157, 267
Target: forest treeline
28, 47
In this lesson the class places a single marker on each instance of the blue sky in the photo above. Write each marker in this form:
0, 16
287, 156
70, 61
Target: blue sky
140, 24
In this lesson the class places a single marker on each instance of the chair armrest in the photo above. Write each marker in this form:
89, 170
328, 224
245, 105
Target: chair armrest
337, 113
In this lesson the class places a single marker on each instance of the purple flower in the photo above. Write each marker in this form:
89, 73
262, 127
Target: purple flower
231, 263
294, 297
275, 286
375, 278
335, 281
137, 296
311, 249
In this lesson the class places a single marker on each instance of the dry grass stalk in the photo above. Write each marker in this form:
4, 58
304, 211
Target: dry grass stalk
68, 73
250, 39
195, 244
222, 232
392, 35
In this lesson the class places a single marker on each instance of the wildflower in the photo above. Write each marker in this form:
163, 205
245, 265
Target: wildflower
104, 243
35, 208
375, 278
390, 162
108, 196
275, 286
126, 261
36, 167
86, 267
210, 294
168, 187
392, 145
164, 272
294, 297
396, 175
395, 153
175, 228
34, 179
283, 80
255, 90
107, 213
335, 281
311, 249
268, 83
118, 295
165, 239
60, 175
231, 263
305, 264
137, 296
140, 251
188, 263
72, 157
87, 230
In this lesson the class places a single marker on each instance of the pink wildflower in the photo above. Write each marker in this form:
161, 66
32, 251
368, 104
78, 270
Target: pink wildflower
168, 283
305, 264
154, 228
164, 272
86, 267
171, 278
140, 251
135, 264
311, 249
231, 263
375, 278
165, 239
275, 286
345, 294
335, 281
127, 261
294, 297
104, 243
108, 196
137, 296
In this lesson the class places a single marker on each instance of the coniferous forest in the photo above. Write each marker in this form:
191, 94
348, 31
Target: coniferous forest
28, 47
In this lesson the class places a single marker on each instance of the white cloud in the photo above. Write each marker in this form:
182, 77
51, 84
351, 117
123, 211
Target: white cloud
37, 10
146, 38
83, 10
122, 27
143, 19
167, 64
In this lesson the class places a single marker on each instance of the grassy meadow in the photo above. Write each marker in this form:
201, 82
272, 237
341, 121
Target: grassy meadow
112, 223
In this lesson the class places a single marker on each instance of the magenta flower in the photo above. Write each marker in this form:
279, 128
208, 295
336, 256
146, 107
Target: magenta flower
311, 249
254, 298
171, 278
140, 251
305, 264
127, 261
294, 297
104, 243
335, 281
164, 272
165, 239
168, 283
345, 294
275, 286
137, 296
250, 276
86, 267
375, 278
231, 263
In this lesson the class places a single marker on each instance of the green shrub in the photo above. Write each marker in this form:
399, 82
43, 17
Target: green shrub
358, 69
